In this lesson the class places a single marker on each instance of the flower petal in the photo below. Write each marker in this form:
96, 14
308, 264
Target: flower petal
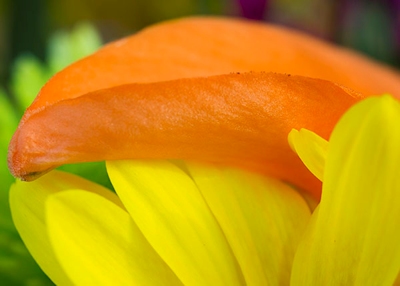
236, 119
27, 201
173, 216
97, 243
262, 219
311, 149
195, 47
354, 236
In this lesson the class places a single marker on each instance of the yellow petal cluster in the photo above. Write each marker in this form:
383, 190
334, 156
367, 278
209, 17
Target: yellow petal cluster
353, 238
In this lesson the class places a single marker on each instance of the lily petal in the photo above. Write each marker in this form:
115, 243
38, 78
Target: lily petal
354, 236
311, 149
262, 219
97, 243
27, 201
173, 216
236, 119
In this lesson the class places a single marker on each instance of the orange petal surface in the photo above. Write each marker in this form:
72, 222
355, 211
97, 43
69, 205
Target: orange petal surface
234, 119
193, 47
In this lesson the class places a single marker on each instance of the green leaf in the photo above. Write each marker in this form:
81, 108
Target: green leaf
8, 123
65, 48
28, 76
16, 264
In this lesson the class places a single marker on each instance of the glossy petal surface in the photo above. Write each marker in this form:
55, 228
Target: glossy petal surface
27, 202
354, 235
262, 219
97, 243
172, 214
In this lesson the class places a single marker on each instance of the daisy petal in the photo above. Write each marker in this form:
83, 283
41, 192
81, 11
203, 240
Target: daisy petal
262, 219
97, 243
173, 216
311, 148
354, 236
27, 202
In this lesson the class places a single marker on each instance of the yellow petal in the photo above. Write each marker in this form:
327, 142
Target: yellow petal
27, 202
173, 216
262, 219
311, 149
97, 243
354, 236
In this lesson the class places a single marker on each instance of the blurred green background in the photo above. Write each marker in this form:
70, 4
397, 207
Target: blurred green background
40, 37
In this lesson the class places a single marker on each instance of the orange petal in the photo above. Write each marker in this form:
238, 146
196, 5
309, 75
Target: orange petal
194, 47
236, 119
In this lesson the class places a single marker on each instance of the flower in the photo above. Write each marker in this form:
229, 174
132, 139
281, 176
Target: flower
170, 93
174, 223
163, 94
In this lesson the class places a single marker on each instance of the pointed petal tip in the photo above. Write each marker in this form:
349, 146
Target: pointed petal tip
291, 137
311, 149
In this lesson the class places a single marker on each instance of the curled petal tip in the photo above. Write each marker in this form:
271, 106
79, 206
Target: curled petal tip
20, 161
